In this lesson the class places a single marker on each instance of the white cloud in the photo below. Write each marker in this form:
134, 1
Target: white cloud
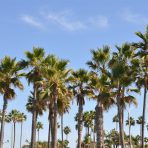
134, 18
63, 21
99, 21
32, 21
66, 21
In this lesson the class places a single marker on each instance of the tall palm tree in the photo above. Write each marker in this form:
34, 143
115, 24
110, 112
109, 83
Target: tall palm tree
21, 118
39, 126
142, 50
79, 85
67, 130
34, 62
14, 116
130, 122
100, 83
122, 76
55, 74
9, 79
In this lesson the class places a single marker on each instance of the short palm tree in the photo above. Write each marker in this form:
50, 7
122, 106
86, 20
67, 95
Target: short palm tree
9, 80
21, 118
14, 116
67, 130
130, 122
116, 120
39, 126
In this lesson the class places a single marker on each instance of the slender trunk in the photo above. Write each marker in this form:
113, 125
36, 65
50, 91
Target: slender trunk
120, 118
49, 129
130, 140
38, 135
52, 129
34, 120
12, 137
143, 115
116, 126
99, 125
140, 134
14, 124
3, 122
129, 123
62, 131
55, 118
80, 121
94, 132
21, 134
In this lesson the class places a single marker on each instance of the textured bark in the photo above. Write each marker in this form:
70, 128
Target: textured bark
54, 142
14, 124
80, 126
49, 135
3, 122
21, 134
99, 125
49, 129
34, 120
143, 115
120, 118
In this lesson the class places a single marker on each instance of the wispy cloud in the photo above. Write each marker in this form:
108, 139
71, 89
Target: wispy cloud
65, 22
99, 21
134, 18
31, 21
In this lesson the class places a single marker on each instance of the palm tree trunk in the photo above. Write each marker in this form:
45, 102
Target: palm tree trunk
34, 120
55, 119
12, 137
99, 125
130, 140
14, 124
120, 118
49, 128
80, 126
62, 131
3, 122
52, 128
21, 134
143, 116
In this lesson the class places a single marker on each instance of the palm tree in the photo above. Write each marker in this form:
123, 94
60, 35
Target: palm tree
67, 130
100, 83
79, 81
122, 76
142, 50
21, 118
39, 126
63, 107
55, 74
9, 79
34, 62
116, 120
130, 122
14, 116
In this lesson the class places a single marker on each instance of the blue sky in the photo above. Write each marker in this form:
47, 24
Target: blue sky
68, 29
